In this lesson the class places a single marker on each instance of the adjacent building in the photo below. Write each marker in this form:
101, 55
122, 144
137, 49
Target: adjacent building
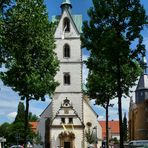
64, 122
113, 127
138, 111
34, 126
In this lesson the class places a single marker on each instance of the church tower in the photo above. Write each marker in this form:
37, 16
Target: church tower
67, 105
68, 49
138, 111
64, 122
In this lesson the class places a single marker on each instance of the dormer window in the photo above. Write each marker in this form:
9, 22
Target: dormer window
66, 25
66, 52
66, 78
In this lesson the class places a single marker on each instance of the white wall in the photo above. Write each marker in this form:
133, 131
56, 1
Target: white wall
75, 99
90, 116
75, 78
59, 29
75, 49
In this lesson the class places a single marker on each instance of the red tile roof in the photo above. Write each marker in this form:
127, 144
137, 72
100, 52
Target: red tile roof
113, 125
34, 125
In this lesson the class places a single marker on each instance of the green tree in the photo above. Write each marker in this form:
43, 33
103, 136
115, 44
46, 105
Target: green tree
21, 114
29, 39
4, 129
20, 117
4, 6
100, 85
125, 129
90, 136
32, 117
113, 26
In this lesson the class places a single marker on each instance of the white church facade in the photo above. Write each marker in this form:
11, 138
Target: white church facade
65, 121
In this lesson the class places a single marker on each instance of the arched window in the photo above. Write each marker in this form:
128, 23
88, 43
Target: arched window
66, 51
66, 78
66, 25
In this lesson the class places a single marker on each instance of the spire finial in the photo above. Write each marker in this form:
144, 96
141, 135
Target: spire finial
66, 4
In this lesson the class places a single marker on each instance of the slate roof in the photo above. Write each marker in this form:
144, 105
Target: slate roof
143, 82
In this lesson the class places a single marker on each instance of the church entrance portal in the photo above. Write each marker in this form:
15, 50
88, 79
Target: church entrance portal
67, 139
67, 145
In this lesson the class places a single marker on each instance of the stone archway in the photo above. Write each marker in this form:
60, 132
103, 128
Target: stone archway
67, 139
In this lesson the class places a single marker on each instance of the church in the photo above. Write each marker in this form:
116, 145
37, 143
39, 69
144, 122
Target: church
138, 110
69, 121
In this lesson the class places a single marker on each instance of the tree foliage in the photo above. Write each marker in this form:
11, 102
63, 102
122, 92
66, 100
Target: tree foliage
20, 117
29, 40
5, 5
32, 117
100, 85
4, 129
113, 26
90, 136
15, 131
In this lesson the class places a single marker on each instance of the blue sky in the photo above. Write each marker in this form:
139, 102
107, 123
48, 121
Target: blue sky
9, 99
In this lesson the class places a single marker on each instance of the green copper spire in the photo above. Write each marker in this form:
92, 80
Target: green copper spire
66, 4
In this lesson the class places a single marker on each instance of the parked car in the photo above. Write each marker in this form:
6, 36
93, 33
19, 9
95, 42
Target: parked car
138, 143
16, 146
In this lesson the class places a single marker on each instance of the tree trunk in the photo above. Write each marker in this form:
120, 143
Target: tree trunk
119, 93
26, 121
107, 131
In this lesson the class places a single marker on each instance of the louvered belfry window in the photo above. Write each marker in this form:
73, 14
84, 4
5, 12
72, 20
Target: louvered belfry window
66, 78
66, 51
66, 24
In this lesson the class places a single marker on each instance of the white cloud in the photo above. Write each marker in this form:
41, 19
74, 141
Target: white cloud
101, 118
9, 103
12, 115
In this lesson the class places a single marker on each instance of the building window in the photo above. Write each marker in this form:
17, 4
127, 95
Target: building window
62, 120
66, 25
141, 93
66, 78
70, 120
66, 52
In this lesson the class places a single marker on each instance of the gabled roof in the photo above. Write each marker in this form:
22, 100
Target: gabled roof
85, 98
113, 126
46, 108
70, 107
143, 82
77, 20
